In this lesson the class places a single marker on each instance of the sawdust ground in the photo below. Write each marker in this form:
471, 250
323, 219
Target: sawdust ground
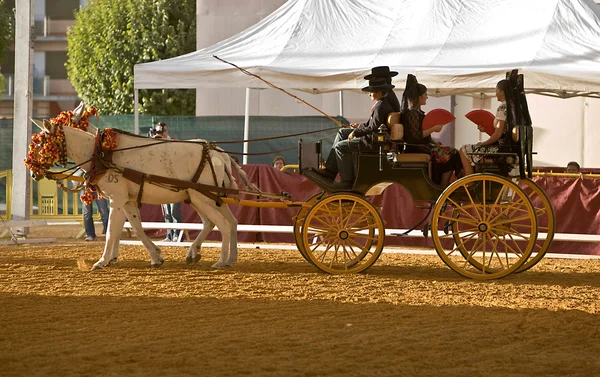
273, 314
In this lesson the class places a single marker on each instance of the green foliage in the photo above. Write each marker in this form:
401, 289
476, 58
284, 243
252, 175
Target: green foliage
110, 36
6, 36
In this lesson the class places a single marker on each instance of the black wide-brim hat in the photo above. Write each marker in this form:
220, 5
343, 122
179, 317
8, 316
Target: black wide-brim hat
381, 71
378, 84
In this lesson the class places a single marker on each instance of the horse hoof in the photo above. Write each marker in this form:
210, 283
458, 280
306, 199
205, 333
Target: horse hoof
97, 266
112, 261
218, 265
157, 265
188, 260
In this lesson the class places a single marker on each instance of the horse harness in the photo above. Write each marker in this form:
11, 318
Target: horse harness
102, 162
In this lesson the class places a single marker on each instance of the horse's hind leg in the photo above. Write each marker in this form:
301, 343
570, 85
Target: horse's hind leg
233, 223
133, 214
193, 255
213, 213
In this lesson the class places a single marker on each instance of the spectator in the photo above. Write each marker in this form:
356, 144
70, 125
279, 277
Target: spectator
573, 168
278, 162
171, 211
88, 219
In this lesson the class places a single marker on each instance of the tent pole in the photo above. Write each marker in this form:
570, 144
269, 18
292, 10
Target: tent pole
136, 118
23, 109
341, 103
246, 126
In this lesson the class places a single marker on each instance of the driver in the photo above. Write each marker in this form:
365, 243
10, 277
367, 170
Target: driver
340, 159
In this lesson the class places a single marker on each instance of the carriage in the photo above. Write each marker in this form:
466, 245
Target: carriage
483, 226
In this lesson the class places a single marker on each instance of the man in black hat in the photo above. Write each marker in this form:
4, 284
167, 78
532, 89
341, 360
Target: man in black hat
384, 72
340, 159
376, 72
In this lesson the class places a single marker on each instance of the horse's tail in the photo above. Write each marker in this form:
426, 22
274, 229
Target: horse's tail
243, 176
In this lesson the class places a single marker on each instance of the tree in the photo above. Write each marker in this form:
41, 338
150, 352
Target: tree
6, 36
110, 36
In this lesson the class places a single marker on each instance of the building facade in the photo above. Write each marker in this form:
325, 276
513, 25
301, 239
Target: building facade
52, 91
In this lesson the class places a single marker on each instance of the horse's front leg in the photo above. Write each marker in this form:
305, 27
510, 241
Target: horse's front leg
116, 220
133, 214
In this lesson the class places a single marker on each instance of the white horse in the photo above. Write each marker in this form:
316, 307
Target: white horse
172, 159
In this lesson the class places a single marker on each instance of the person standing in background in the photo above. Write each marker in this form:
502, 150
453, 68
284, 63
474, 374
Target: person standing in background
573, 168
88, 219
171, 211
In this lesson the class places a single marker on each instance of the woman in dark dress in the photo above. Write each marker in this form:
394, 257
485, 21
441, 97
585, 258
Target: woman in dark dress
445, 160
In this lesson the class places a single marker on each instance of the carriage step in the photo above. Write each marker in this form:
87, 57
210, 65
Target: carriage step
326, 184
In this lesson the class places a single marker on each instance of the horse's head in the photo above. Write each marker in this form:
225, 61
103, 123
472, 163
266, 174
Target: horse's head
47, 148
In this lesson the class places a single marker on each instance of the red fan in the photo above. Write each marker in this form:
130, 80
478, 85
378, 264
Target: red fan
437, 116
482, 118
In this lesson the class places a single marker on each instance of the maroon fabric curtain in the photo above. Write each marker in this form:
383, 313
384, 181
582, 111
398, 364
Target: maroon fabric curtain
576, 204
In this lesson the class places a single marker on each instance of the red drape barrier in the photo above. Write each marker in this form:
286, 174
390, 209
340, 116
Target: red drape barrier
576, 204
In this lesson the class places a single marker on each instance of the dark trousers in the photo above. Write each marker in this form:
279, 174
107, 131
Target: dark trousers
341, 157
172, 214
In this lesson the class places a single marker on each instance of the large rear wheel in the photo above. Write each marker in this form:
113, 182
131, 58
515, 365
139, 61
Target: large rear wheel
494, 226
545, 219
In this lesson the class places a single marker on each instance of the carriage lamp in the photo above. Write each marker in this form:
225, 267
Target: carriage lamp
382, 135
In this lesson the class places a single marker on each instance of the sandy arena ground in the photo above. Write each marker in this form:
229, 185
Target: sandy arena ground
273, 314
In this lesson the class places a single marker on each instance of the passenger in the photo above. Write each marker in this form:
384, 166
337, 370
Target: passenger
500, 138
445, 160
340, 159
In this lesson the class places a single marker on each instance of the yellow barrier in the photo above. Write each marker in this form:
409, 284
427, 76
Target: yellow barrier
565, 175
52, 203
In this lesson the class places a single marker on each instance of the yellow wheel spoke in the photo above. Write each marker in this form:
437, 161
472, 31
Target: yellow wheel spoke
494, 206
459, 207
357, 220
462, 243
494, 251
458, 220
348, 216
471, 253
519, 253
460, 232
361, 247
511, 220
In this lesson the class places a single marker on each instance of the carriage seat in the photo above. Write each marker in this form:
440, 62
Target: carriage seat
397, 135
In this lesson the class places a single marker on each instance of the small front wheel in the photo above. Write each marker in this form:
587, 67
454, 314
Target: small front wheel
343, 233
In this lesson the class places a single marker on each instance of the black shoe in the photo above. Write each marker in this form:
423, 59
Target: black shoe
326, 173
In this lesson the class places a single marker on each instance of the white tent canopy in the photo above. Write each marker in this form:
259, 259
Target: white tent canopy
453, 46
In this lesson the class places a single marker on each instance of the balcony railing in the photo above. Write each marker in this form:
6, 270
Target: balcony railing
42, 87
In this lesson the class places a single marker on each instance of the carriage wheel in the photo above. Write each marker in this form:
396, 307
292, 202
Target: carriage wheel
493, 237
343, 233
299, 223
545, 219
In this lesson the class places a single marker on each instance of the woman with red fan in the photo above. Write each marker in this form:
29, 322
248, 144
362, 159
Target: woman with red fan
500, 138
445, 159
